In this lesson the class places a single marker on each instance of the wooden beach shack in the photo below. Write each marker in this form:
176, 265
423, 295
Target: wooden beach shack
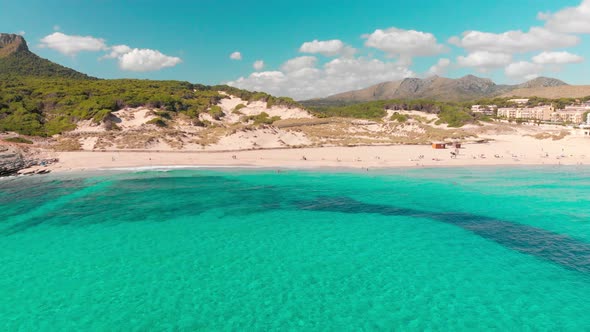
439, 146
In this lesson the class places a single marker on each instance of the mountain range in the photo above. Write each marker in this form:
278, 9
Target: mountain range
461, 89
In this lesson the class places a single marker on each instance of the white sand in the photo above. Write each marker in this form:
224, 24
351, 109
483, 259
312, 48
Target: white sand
511, 150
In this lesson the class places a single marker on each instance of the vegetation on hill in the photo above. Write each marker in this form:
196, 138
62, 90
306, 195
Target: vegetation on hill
453, 114
47, 106
258, 96
28, 64
21, 140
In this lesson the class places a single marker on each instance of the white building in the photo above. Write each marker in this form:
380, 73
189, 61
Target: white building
519, 102
573, 115
484, 109
540, 113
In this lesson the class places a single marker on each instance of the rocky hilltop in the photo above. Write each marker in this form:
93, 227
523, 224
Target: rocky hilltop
17, 59
469, 87
10, 43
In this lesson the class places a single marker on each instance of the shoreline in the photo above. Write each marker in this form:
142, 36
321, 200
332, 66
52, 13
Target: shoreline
90, 172
510, 152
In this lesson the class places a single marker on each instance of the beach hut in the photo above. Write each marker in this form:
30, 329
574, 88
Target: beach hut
439, 146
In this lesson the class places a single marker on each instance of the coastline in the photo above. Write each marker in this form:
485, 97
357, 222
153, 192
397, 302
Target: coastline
523, 151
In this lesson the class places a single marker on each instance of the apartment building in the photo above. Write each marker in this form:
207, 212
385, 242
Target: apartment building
484, 109
571, 115
541, 113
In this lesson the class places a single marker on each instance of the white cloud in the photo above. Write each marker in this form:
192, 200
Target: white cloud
72, 45
301, 79
523, 70
146, 60
117, 51
134, 59
484, 60
404, 43
236, 56
515, 41
569, 19
21, 33
56, 28
557, 58
328, 48
440, 68
299, 63
258, 64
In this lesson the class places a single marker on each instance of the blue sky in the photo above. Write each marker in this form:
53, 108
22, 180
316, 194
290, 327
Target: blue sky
359, 43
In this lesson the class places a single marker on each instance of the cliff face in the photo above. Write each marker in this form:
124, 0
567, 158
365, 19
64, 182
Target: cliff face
11, 160
10, 44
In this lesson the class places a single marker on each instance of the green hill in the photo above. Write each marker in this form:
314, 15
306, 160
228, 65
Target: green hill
39, 97
17, 60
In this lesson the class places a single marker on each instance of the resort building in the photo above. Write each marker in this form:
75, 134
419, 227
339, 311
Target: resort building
573, 115
484, 109
541, 113
519, 102
507, 112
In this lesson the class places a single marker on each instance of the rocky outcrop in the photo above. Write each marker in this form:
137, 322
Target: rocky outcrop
10, 43
12, 160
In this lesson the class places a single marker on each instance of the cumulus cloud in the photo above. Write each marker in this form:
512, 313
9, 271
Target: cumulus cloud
21, 33
146, 60
523, 70
71, 44
484, 60
328, 48
440, 68
117, 51
258, 64
299, 63
557, 58
134, 59
236, 56
404, 43
515, 41
569, 19
300, 77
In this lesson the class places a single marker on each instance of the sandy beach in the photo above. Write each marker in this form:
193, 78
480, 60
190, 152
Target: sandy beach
507, 150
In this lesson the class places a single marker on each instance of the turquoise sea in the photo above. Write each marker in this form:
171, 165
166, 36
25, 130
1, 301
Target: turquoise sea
255, 250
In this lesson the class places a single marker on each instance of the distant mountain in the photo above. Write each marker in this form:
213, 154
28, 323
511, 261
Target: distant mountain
541, 82
16, 59
439, 88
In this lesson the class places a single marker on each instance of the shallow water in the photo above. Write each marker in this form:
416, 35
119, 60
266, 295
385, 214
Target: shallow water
430, 249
